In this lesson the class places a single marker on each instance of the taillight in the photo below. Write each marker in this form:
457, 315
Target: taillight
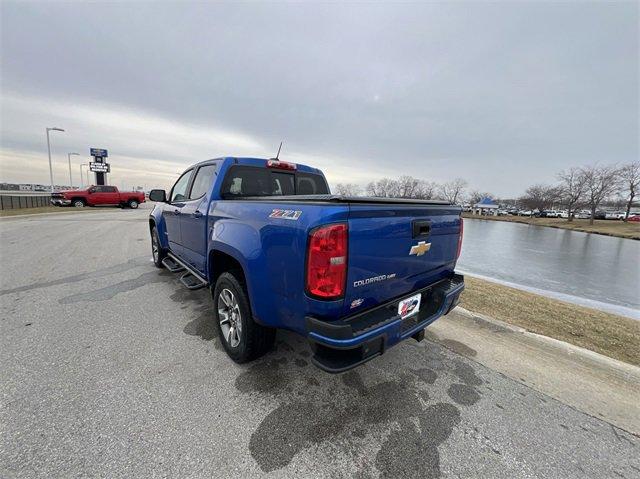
327, 261
281, 165
460, 238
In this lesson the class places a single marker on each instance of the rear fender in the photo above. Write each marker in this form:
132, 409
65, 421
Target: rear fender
242, 243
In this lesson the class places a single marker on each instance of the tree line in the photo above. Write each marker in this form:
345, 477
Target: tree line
577, 188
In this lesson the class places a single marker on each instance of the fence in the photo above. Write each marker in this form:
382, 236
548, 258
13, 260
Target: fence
10, 202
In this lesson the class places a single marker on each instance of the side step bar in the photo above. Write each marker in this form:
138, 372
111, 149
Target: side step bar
191, 278
172, 265
191, 281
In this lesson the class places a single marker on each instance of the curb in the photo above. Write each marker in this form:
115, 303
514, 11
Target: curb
601, 359
53, 213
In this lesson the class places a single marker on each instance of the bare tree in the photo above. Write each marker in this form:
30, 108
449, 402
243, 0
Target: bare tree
572, 189
600, 183
426, 190
348, 189
383, 188
408, 187
630, 178
452, 191
540, 197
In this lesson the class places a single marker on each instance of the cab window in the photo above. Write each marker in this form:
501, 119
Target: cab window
253, 181
179, 190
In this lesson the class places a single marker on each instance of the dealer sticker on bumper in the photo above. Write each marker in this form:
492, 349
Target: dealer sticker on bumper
409, 306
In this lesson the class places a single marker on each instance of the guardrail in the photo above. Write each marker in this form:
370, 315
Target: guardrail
12, 202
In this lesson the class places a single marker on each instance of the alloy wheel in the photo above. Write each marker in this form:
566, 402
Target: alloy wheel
230, 317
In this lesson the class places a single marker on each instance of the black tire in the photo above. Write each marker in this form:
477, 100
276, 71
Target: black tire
78, 203
157, 254
255, 340
133, 204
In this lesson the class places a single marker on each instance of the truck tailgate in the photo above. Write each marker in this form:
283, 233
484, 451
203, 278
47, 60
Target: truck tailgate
395, 249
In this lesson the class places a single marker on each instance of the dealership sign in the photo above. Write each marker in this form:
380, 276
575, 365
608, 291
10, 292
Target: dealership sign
98, 152
99, 167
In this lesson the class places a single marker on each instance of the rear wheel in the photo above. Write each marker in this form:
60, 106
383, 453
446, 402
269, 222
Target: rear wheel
133, 204
242, 338
78, 203
157, 250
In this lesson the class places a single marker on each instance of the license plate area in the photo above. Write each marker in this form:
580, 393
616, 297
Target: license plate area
409, 306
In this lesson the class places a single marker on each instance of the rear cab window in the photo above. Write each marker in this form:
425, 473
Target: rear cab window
242, 181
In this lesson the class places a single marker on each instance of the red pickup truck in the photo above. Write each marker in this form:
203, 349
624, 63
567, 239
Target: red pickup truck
97, 196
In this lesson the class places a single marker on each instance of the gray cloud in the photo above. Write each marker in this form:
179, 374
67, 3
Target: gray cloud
501, 94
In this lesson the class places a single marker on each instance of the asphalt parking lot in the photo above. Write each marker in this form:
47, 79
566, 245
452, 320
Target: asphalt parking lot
111, 368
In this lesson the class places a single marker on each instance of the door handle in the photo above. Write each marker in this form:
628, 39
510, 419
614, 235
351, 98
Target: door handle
197, 214
176, 212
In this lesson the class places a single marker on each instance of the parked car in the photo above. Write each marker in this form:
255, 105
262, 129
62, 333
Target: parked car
582, 215
614, 215
353, 275
600, 215
634, 218
525, 213
97, 196
551, 214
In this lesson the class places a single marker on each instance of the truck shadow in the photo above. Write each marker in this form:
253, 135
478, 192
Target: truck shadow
399, 406
405, 404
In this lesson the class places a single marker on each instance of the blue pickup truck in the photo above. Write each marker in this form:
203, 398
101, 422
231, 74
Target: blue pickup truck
353, 275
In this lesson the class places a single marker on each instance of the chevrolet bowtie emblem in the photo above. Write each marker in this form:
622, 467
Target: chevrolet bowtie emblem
420, 249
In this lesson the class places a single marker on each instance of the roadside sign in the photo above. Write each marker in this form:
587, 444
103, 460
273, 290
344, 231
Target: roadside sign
99, 167
99, 152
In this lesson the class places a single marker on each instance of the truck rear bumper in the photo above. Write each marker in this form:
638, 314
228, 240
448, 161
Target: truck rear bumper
344, 344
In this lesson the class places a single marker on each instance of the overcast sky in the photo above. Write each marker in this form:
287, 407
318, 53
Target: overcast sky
501, 94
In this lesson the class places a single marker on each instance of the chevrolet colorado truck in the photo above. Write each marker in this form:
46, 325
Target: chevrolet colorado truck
97, 196
353, 275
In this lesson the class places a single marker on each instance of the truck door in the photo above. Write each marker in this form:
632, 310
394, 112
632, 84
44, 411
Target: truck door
97, 196
172, 211
193, 220
110, 195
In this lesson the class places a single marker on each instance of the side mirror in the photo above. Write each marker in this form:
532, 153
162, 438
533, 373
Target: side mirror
158, 195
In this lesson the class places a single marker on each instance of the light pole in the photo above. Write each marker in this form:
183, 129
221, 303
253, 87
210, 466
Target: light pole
81, 177
69, 158
49, 150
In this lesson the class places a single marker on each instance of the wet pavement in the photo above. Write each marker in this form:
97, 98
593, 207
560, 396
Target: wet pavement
111, 368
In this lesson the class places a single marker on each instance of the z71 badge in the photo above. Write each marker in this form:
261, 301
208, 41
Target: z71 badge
286, 214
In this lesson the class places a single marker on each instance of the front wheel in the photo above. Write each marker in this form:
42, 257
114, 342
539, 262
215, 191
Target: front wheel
78, 203
133, 204
157, 250
242, 338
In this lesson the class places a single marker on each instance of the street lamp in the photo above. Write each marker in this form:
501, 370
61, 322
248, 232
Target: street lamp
69, 158
81, 177
49, 150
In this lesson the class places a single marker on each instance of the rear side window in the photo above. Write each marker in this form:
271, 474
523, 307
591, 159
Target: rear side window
309, 184
109, 189
253, 181
202, 182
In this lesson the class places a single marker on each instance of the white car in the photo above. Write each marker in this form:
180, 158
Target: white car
614, 215
563, 214
552, 214
582, 215
525, 213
